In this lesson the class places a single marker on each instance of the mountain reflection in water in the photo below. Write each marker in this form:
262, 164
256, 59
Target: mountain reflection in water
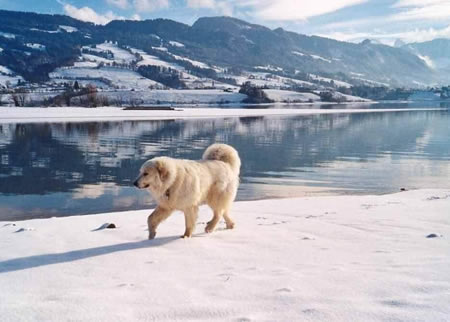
79, 168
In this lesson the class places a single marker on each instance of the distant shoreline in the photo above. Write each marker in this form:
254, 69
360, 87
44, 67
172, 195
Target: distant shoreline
103, 114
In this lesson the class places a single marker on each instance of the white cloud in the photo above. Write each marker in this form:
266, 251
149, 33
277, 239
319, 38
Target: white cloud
201, 4
122, 4
136, 17
413, 21
150, 5
414, 35
417, 3
421, 10
282, 10
146, 5
88, 14
223, 7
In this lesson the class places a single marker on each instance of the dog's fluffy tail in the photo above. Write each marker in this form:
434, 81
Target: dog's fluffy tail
225, 153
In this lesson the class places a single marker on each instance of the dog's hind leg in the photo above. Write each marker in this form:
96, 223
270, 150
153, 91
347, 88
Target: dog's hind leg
228, 221
157, 216
213, 222
190, 217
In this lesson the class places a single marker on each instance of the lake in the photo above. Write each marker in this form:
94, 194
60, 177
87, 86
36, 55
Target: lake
61, 169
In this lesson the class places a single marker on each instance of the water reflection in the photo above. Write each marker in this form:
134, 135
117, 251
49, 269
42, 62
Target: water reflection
76, 168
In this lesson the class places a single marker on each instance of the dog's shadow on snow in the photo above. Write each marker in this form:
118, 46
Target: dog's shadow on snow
22, 263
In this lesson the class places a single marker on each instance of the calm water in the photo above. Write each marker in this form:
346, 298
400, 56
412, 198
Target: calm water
79, 168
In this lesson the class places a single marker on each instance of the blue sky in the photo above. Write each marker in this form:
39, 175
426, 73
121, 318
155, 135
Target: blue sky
349, 20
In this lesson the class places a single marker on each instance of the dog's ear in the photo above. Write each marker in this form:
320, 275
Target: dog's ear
162, 170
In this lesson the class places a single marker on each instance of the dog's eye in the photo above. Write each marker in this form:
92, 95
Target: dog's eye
145, 174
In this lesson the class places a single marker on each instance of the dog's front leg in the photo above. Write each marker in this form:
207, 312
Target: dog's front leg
190, 217
157, 216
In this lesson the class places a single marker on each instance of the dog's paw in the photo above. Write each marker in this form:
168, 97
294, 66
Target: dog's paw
152, 235
209, 228
230, 225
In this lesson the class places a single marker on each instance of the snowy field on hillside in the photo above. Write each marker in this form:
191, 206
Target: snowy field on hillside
347, 258
199, 96
120, 77
154, 97
154, 61
86, 69
7, 75
190, 81
5, 79
5, 70
266, 80
120, 55
298, 97
330, 80
288, 96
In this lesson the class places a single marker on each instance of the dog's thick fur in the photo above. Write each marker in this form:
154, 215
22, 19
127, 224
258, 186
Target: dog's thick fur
185, 185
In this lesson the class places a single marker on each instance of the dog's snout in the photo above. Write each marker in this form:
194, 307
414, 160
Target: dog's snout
135, 183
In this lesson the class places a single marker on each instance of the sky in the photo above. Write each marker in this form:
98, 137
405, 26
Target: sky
349, 20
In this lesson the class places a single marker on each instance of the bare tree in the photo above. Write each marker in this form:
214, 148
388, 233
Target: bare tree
23, 98
92, 95
103, 100
134, 101
120, 98
19, 97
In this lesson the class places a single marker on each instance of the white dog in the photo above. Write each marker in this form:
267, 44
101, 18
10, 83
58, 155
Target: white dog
185, 185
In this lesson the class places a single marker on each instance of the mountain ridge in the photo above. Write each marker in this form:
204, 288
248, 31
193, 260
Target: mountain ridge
219, 41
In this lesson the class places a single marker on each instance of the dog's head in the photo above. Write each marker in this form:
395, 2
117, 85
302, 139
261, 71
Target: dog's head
153, 175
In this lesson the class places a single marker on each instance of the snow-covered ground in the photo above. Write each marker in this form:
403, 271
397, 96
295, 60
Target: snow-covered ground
154, 61
297, 97
4, 79
176, 43
5, 70
68, 28
35, 46
7, 35
371, 82
47, 31
329, 80
269, 68
116, 77
200, 96
288, 96
347, 258
86, 68
85, 64
262, 79
317, 57
120, 55
119, 77
7, 75
193, 62
80, 114
191, 81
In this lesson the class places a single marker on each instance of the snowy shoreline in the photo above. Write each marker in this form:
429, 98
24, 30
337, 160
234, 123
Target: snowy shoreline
341, 258
79, 114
